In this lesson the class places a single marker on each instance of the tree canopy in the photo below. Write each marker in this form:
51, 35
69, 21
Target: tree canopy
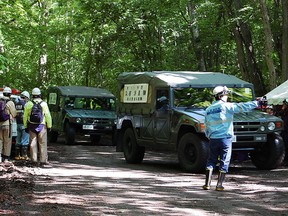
87, 42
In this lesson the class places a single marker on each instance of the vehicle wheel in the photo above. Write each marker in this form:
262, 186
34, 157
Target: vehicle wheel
132, 152
271, 155
53, 136
192, 153
114, 137
95, 139
119, 140
69, 134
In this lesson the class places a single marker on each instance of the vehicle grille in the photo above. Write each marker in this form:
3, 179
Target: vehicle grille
240, 127
99, 121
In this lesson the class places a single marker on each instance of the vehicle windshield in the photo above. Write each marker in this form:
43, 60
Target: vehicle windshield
203, 97
99, 103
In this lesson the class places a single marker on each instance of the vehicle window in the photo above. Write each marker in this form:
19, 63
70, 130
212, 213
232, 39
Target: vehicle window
162, 100
94, 103
203, 97
69, 102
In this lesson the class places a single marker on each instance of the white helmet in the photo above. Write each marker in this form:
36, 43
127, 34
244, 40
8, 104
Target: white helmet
7, 90
26, 94
163, 98
220, 90
36, 91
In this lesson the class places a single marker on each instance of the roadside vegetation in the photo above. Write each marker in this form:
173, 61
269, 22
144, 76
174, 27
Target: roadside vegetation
87, 42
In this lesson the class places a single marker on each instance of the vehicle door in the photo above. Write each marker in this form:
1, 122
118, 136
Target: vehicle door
162, 117
54, 107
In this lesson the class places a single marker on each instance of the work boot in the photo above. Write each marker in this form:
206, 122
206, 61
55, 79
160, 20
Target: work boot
208, 179
221, 178
6, 160
17, 152
25, 153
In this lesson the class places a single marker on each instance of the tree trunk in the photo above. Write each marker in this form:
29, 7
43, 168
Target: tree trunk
246, 56
43, 50
195, 37
285, 40
268, 44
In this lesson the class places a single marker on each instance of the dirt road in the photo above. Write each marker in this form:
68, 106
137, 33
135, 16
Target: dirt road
95, 180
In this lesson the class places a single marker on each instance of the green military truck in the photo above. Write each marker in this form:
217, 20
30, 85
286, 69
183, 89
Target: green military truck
81, 111
165, 110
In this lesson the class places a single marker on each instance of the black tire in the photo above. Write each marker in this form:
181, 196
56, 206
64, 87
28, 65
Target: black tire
95, 139
70, 133
133, 153
193, 153
119, 140
114, 137
53, 136
271, 154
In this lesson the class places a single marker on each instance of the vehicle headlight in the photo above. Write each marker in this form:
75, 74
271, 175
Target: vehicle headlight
78, 120
271, 126
262, 128
115, 121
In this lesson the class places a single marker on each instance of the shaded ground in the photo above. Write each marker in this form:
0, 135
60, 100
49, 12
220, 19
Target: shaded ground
95, 180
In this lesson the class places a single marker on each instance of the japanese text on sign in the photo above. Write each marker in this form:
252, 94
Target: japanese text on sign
52, 98
135, 93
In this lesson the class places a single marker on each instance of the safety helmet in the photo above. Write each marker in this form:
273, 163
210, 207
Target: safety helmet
220, 90
25, 94
7, 90
163, 98
36, 91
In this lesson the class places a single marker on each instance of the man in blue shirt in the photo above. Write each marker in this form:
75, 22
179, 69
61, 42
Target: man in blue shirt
219, 131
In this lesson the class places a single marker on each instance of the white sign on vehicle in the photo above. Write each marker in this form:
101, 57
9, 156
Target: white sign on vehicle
135, 93
88, 127
52, 98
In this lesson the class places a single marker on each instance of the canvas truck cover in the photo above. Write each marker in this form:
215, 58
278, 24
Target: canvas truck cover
278, 94
162, 79
181, 79
82, 91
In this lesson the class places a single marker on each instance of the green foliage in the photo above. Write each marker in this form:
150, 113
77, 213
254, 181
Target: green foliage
90, 42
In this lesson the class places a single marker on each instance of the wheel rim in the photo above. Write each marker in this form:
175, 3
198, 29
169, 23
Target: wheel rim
129, 145
190, 153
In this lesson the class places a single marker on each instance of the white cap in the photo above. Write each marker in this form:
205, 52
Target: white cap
161, 99
26, 94
36, 91
220, 90
7, 90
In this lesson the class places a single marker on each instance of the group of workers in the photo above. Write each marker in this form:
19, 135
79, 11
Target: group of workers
31, 135
218, 129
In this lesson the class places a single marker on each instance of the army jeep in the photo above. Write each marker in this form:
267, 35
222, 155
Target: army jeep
164, 111
80, 110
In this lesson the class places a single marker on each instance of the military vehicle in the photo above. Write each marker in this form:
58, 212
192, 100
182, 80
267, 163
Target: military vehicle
80, 110
164, 111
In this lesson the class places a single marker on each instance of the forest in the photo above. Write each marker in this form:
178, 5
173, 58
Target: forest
89, 42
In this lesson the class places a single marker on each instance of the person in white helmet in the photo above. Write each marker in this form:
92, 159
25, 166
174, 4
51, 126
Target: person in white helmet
37, 126
219, 131
22, 140
8, 113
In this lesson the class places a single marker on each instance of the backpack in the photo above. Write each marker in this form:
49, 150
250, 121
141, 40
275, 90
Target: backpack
36, 113
3, 115
20, 111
